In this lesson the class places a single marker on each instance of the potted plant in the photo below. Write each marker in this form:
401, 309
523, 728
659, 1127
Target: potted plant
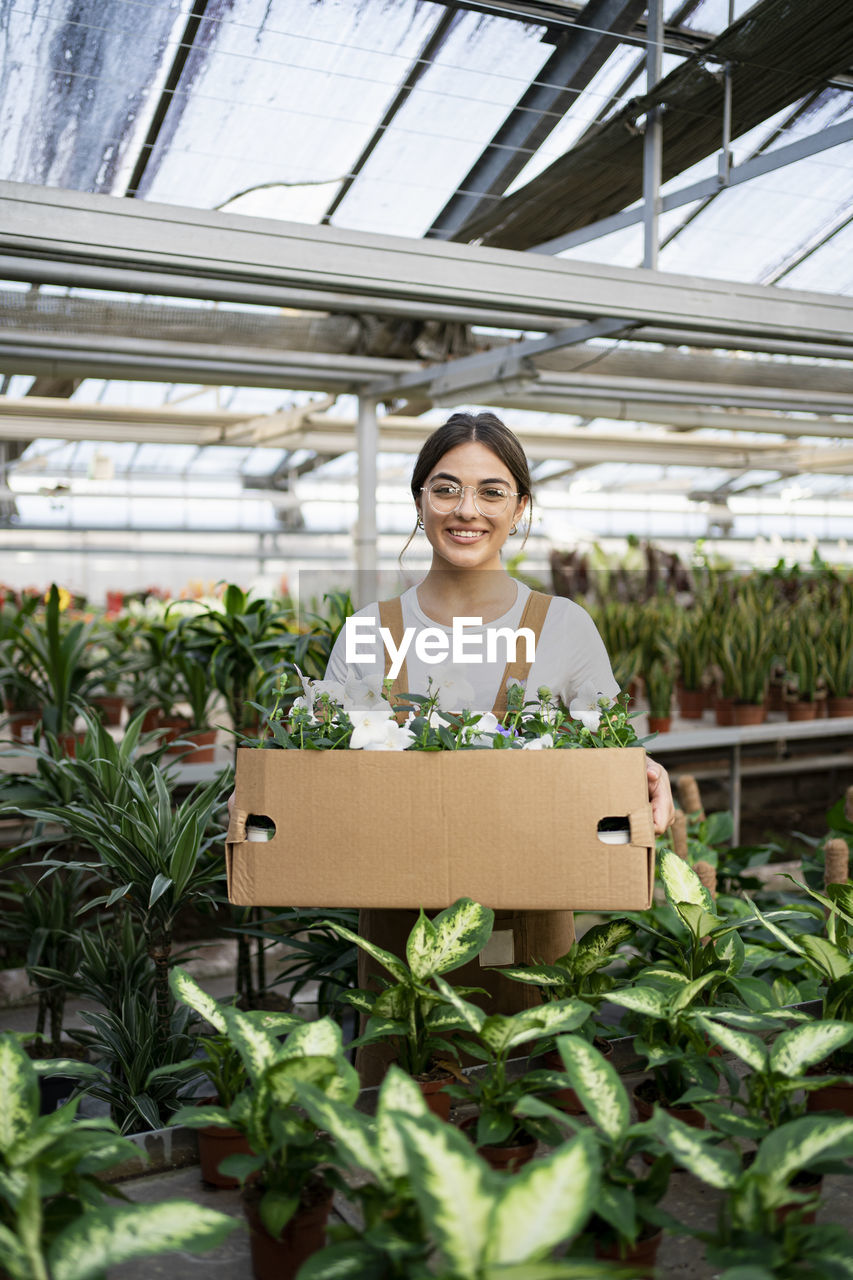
410, 1013
836, 660
216, 1061
153, 855
744, 652
286, 1194
693, 649
432, 1191
500, 1136
628, 1220
577, 975
763, 1228
660, 684
802, 662
56, 1222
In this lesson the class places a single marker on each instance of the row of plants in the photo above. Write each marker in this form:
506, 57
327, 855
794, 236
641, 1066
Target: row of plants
430, 1201
738, 644
189, 664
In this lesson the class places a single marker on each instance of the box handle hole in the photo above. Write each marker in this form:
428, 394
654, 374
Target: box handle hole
259, 828
614, 830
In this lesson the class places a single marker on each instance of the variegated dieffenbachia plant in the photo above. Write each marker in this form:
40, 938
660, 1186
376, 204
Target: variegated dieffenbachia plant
628, 1201
491, 1038
756, 1234
56, 1222
442, 1211
289, 1154
410, 1011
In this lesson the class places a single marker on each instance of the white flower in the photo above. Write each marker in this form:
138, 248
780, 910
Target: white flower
588, 704
538, 744
363, 693
481, 732
370, 725
396, 738
453, 692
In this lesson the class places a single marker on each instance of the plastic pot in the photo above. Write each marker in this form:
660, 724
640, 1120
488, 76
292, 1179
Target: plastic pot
280, 1257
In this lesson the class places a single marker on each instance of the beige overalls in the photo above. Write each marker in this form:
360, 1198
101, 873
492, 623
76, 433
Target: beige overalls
539, 936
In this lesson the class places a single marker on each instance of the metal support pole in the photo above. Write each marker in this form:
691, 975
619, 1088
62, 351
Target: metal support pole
367, 443
725, 164
653, 140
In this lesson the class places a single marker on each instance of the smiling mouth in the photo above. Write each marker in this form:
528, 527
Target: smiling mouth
469, 535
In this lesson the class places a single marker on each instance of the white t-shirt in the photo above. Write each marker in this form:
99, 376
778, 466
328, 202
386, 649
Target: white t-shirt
569, 652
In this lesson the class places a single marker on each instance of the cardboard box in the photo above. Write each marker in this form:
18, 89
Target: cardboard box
510, 829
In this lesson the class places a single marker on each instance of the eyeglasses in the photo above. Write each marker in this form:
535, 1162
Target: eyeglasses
489, 499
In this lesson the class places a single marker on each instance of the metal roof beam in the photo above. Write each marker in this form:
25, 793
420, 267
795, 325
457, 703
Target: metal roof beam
580, 54
759, 165
72, 237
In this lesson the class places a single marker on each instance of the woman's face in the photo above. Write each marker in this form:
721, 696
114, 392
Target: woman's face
464, 538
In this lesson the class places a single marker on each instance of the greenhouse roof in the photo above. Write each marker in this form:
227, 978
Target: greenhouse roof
519, 123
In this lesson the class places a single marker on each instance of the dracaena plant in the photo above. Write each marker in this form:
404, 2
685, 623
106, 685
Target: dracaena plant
412, 1011
53, 664
289, 1155
491, 1039
154, 856
754, 1237
56, 1222
580, 973
628, 1202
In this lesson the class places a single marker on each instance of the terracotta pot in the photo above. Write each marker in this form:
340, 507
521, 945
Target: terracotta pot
776, 696
840, 706
802, 710
437, 1100
691, 703
641, 1257
832, 1097
111, 706
724, 710
566, 1099
204, 741
214, 1144
505, 1159
279, 1258
22, 725
660, 724
151, 720
748, 713
69, 743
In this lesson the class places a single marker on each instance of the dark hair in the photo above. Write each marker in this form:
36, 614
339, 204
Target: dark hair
484, 428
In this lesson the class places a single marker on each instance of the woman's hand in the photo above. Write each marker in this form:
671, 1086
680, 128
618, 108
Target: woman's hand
660, 796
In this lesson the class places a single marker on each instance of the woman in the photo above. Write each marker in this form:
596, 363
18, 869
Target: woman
471, 488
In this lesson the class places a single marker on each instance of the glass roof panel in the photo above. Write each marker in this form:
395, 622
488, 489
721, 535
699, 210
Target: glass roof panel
288, 95
79, 83
475, 78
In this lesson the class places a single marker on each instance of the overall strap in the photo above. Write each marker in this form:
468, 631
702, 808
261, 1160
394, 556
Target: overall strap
535, 612
391, 617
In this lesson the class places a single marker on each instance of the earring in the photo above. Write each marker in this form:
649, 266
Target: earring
420, 522
513, 531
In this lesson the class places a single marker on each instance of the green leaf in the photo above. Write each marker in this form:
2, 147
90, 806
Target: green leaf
597, 1085
388, 961
552, 1197
598, 945
348, 1260
799, 1143
713, 1165
103, 1238
353, 1133
807, 1045
470, 1015
159, 885
825, 956
643, 1000
19, 1093
258, 1049
700, 922
455, 936
397, 1093
186, 989
730, 951
690, 991
681, 883
748, 1048
454, 1189
276, 1209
